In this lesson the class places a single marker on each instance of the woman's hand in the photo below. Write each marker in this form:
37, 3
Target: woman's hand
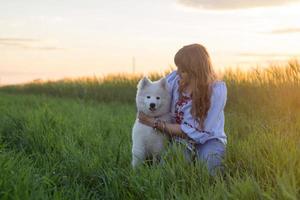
144, 119
167, 128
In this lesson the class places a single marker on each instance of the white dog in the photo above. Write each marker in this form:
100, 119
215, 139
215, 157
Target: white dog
154, 100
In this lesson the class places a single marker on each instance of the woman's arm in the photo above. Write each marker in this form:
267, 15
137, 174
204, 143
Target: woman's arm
191, 127
168, 128
218, 102
172, 130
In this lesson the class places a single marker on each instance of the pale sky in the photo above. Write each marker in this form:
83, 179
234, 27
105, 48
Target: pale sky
52, 39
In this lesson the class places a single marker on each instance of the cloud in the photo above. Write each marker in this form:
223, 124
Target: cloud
27, 43
17, 40
250, 54
232, 4
286, 31
50, 48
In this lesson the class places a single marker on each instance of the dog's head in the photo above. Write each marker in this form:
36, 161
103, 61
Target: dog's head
153, 98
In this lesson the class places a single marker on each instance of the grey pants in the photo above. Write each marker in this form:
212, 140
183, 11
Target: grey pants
211, 153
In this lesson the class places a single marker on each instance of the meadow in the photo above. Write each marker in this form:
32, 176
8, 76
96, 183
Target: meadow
71, 139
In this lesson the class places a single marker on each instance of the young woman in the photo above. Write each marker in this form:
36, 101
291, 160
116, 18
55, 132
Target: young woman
198, 101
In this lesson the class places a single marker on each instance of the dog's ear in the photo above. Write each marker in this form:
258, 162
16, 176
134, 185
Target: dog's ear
163, 82
143, 82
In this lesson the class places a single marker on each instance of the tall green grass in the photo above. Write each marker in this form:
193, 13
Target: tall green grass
118, 87
80, 147
122, 87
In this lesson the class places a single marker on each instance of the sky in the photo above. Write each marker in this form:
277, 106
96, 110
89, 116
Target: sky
53, 39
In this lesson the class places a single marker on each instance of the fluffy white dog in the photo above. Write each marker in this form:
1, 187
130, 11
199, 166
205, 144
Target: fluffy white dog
154, 100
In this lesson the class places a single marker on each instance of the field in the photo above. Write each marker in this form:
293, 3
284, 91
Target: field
71, 139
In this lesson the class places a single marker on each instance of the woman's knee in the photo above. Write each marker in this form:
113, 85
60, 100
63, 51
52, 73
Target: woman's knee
212, 154
214, 163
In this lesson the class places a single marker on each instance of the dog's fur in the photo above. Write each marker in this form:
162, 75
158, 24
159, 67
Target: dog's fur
146, 141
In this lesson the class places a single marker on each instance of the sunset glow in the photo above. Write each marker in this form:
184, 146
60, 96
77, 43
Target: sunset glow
56, 39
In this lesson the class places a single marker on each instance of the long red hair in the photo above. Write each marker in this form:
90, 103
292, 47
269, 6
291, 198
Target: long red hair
195, 61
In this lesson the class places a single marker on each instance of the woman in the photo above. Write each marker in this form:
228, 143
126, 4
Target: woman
198, 101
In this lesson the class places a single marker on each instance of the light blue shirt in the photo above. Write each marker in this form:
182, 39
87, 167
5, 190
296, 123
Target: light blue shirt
214, 121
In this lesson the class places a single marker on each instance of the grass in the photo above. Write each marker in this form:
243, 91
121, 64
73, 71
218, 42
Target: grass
116, 87
79, 146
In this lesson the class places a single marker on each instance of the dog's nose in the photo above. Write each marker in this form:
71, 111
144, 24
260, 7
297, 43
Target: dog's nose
152, 105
